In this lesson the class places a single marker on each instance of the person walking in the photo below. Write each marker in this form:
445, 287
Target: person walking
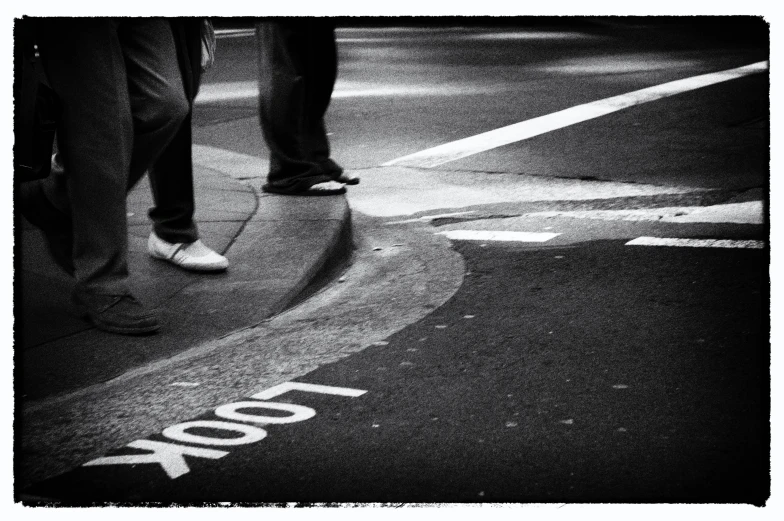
123, 102
175, 236
297, 73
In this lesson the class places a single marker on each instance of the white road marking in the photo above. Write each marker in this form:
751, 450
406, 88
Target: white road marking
484, 235
696, 243
168, 455
428, 218
222, 34
399, 33
179, 432
184, 384
298, 412
272, 392
248, 90
533, 127
751, 212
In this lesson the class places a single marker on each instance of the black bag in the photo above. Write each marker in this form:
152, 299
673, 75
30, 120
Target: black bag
35, 108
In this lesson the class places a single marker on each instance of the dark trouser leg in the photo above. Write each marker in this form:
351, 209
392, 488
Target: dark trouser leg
171, 177
295, 87
157, 95
100, 69
322, 67
171, 180
84, 64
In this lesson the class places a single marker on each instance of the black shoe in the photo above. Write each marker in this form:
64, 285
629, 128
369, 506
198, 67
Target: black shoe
121, 314
55, 225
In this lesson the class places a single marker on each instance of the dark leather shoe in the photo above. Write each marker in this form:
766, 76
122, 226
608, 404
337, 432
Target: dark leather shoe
54, 224
121, 314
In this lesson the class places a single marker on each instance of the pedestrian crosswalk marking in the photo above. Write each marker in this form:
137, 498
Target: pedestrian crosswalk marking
459, 149
696, 243
507, 236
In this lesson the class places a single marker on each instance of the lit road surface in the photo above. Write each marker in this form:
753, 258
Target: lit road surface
559, 292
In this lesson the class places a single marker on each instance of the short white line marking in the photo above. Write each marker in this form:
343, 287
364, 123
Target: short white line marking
533, 127
485, 235
696, 243
430, 217
184, 384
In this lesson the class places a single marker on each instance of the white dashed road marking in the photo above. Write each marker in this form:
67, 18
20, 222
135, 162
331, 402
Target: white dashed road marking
533, 127
696, 243
512, 236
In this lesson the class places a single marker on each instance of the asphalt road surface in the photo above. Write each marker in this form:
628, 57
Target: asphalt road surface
578, 361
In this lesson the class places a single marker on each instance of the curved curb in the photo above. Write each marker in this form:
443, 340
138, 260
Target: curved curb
276, 245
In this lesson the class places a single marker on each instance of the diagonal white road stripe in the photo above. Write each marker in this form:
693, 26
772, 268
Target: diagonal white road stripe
533, 127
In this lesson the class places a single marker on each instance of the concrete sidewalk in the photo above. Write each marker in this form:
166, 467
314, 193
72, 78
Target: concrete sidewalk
276, 246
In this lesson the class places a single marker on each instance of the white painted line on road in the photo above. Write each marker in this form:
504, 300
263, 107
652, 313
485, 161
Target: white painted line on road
696, 243
507, 236
285, 387
400, 33
234, 33
246, 90
751, 212
427, 218
231, 90
533, 127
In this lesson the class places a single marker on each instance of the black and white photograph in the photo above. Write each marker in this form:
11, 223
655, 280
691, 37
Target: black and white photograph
297, 258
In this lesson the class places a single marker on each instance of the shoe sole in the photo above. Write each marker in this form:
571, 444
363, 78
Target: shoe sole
304, 187
164, 258
345, 179
310, 192
112, 328
123, 330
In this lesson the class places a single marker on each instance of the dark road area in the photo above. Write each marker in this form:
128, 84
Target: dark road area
558, 292
546, 378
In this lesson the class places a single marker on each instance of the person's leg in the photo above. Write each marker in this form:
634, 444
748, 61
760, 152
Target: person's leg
157, 96
84, 65
31, 201
171, 180
282, 51
320, 71
175, 237
123, 102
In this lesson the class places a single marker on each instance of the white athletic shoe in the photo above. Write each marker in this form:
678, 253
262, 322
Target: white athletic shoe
194, 256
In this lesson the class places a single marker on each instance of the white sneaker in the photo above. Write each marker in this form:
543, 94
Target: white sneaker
193, 256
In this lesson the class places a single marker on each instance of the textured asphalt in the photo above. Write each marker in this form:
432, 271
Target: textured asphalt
592, 373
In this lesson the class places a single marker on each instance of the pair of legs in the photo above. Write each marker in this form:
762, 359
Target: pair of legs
297, 73
124, 110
